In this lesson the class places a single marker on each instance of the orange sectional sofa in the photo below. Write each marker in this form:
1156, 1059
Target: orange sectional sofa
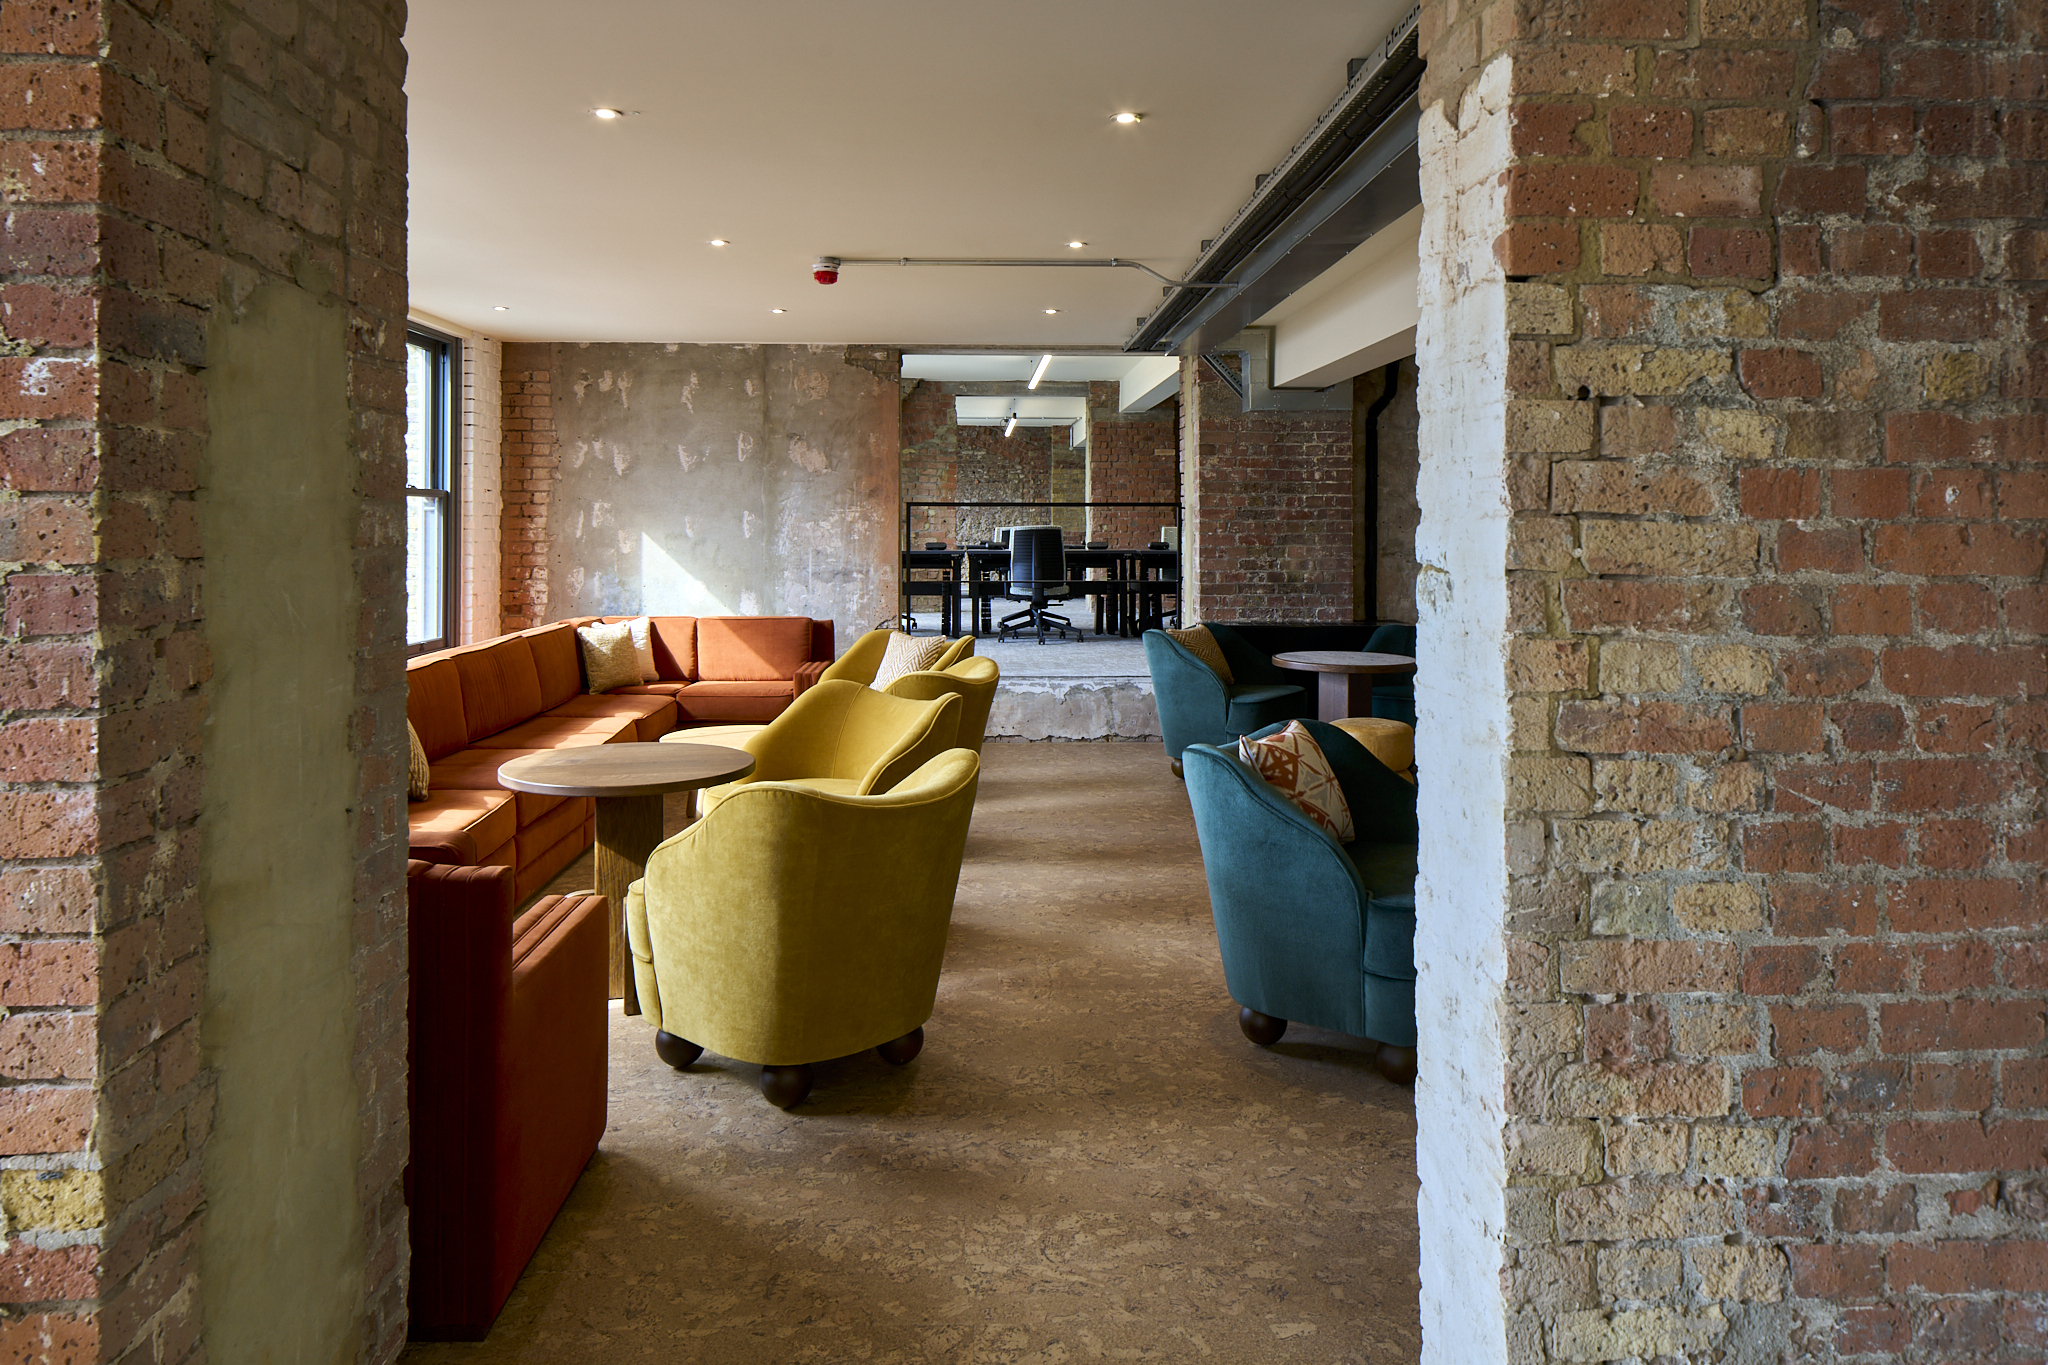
481, 705
725, 670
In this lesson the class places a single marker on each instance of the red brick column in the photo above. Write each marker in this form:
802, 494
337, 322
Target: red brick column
138, 204
1271, 509
1131, 458
531, 459
1775, 438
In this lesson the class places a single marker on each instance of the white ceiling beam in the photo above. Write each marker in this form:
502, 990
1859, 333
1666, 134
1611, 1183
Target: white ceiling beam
1148, 383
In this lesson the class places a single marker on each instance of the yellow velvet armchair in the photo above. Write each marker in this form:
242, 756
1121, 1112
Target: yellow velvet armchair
864, 656
845, 738
791, 925
972, 679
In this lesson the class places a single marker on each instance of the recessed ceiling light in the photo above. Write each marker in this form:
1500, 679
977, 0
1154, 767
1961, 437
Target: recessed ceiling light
720, 241
501, 308
1052, 310
778, 310
1129, 118
1075, 246
609, 113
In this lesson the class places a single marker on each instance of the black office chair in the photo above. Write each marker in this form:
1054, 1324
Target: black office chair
1038, 575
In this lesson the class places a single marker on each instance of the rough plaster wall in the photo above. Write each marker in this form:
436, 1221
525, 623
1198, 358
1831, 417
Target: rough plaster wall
1400, 453
1461, 732
482, 487
724, 480
282, 1258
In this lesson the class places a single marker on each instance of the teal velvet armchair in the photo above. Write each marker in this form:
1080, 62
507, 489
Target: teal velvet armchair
1198, 707
1310, 929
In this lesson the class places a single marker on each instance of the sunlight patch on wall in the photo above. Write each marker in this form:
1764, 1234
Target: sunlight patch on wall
668, 589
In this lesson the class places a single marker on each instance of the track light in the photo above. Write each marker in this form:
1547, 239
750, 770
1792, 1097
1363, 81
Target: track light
1039, 373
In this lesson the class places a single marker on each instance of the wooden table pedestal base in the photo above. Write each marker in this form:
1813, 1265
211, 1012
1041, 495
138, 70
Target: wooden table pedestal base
628, 828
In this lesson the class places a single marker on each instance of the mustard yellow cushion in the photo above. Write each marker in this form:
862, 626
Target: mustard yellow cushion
1294, 765
1197, 641
908, 654
1392, 742
417, 769
609, 659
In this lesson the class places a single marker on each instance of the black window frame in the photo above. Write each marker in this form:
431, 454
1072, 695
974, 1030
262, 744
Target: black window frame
444, 460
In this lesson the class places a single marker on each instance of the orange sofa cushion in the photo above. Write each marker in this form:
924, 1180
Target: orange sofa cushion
463, 827
433, 703
500, 685
675, 647
751, 648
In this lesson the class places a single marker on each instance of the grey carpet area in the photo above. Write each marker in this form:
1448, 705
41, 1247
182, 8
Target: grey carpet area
1088, 1162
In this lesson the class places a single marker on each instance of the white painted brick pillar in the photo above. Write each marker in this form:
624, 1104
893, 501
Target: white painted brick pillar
1461, 735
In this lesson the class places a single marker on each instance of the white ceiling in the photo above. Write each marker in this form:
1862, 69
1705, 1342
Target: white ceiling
800, 128
983, 367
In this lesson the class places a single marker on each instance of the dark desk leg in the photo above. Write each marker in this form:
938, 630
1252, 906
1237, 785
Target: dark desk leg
628, 828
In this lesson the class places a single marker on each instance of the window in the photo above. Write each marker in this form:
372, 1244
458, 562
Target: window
429, 492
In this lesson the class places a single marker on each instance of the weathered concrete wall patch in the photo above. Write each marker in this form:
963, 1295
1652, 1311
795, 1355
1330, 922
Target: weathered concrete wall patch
712, 480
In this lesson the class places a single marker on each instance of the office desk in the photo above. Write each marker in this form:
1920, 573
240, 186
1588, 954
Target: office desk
946, 587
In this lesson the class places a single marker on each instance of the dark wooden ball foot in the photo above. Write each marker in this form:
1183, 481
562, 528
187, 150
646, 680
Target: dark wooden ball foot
1397, 1064
1178, 771
1262, 1029
786, 1086
677, 1052
898, 1051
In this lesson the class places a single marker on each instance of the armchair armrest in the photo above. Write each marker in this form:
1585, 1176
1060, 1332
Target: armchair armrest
1194, 704
861, 659
1289, 904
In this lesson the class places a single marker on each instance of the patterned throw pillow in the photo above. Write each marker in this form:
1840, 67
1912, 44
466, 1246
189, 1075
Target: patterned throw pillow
1197, 641
908, 654
417, 770
643, 647
1294, 764
608, 657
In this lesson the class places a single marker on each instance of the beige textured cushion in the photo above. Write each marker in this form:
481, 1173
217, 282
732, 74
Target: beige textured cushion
1293, 763
643, 647
1197, 641
608, 657
908, 654
417, 770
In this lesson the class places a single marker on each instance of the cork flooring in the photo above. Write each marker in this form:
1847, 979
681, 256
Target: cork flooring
1088, 1162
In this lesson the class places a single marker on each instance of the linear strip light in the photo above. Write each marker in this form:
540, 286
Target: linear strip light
1012, 424
1043, 362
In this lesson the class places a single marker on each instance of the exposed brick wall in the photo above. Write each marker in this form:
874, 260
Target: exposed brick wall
530, 460
947, 462
1131, 458
482, 487
1272, 510
142, 201
1774, 440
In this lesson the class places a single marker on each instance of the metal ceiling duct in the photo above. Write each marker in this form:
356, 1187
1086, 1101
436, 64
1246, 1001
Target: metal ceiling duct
1357, 171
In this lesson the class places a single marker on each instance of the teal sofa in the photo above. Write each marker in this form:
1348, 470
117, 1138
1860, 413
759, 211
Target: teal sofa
1310, 929
1198, 707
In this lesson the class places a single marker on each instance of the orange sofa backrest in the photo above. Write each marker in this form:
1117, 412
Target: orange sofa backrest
433, 703
500, 685
557, 660
674, 641
752, 648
